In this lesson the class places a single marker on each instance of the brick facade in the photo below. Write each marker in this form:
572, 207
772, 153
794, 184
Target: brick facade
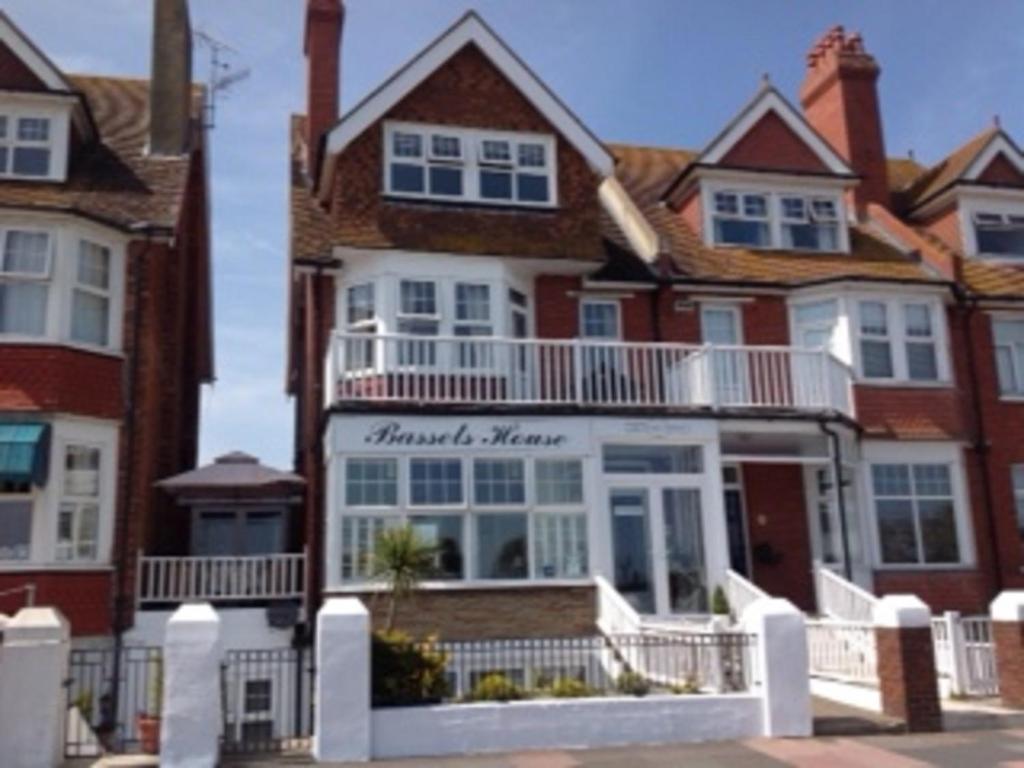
772, 145
906, 675
84, 597
51, 378
14, 73
1001, 172
1008, 637
469, 614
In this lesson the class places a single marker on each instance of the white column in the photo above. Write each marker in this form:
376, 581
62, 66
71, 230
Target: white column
341, 728
192, 716
33, 706
781, 659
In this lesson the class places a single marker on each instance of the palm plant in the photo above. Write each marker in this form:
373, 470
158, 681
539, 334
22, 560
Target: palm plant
401, 559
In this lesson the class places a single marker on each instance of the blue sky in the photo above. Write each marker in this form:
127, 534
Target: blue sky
648, 71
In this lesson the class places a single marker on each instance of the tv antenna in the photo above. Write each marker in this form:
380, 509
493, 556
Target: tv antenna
222, 76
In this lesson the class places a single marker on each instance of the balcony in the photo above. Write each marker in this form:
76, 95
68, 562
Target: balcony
246, 579
592, 374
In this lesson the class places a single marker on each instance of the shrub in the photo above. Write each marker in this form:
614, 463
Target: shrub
688, 686
407, 672
719, 602
632, 684
569, 688
495, 687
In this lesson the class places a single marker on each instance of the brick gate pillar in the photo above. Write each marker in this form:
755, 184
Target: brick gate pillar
1007, 612
906, 662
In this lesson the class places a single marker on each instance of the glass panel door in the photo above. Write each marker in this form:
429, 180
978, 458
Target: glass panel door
264, 533
631, 541
721, 326
216, 534
684, 550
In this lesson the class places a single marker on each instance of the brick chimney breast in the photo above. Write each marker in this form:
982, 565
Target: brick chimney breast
322, 46
840, 99
170, 84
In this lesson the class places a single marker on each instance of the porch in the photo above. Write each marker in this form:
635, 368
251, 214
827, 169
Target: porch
589, 373
249, 579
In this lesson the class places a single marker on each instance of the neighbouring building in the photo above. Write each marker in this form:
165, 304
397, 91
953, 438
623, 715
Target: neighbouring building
560, 359
105, 319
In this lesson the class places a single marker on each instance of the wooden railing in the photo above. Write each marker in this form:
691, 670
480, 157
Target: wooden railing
842, 599
250, 578
741, 593
459, 369
965, 654
842, 650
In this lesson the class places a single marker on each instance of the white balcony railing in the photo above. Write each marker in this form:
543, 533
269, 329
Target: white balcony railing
248, 578
582, 372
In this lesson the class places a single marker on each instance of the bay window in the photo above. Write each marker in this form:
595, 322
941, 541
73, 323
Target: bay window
460, 164
435, 483
899, 340
473, 318
371, 482
418, 315
916, 513
79, 510
15, 521
501, 546
25, 272
769, 218
443, 534
90, 298
1008, 338
360, 317
999, 234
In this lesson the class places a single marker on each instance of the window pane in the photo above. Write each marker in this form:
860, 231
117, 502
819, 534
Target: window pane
918, 319
358, 536
726, 202
600, 320
653, 459
499, 482
496, 185
531, 155
93, 265
3, 126
896, 531
371, 482
739, 232
719, 326
794, 208
25, 253
406, 144
87, 532
890, 479
23, 308
257, 696
938, 531
444, 534
1002, 240
932, 480
445, 180
1007, 375
82, 471
407, 178
1018, 495
824, 312
876, 359
263, 533
89, 314
445, 146
472, 302
419, 297
559, 481
496, 151
532, 188
33, 129
31, 161
501, 546
360, 303
811, 237
435, 482
15, 529
560, 546
755, 205
873, 318
921, 362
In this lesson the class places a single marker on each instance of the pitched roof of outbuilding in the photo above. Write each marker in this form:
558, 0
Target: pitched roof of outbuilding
235, 470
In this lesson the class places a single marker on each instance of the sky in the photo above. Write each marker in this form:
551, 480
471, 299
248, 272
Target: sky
665, 72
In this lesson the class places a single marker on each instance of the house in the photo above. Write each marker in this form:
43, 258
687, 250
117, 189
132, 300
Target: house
105, 320
560, 359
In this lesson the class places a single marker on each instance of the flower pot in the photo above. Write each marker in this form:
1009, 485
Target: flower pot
148, 727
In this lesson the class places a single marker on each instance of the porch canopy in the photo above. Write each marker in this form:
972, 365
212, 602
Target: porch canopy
24, 452
798, 444
235, 476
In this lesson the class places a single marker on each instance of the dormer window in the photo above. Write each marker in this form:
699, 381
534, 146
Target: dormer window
999, 234
25, 146
474, 166
767, 218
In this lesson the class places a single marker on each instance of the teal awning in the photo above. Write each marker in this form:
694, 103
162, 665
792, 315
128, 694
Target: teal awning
24, 452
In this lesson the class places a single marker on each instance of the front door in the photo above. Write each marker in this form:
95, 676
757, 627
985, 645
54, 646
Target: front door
633, 546
826, 524
684, 550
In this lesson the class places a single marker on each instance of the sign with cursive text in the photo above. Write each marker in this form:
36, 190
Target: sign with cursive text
393, 433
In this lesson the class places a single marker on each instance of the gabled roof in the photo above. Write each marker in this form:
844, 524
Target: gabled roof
964, 164
33, 58
766, 102
470, 29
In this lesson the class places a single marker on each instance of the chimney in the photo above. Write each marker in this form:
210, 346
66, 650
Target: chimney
324, 19
840, 99
170, 84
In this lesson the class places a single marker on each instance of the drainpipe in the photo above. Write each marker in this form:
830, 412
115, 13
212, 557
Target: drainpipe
981, 446
837, 470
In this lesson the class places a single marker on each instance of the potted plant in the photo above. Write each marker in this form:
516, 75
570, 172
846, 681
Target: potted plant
147, 722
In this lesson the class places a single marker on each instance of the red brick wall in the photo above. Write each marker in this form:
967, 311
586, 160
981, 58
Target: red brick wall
967, 590
1008, 637
1001, 171
765, 321
15, 74
910, 413
468, 91
60, 379
557, 306
322, 47
906, 676
771, 144
777, 521
84, 597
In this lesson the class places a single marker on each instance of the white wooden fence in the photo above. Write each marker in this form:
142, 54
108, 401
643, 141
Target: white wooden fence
842, 599
843, 650
248, 578
460, 369
741, 593
965, 654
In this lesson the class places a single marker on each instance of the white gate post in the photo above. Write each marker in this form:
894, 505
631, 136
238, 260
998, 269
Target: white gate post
783, 663
33, 704
341, 726
192, 715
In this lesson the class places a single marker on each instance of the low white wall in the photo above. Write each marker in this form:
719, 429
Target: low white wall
453, 729
239, 628
858, 696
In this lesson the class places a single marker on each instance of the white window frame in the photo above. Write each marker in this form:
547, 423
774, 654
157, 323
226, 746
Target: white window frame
77, 286
740, 214
897, 338
730, 308
44, 278
471, 162
26, 497
593, 301
773, 191
810, 216
77, 502
35, 106
911, 453
399, 501
1016, 356
410, 504
527, 466
996, 202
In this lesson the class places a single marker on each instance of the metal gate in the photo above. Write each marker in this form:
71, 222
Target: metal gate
267, 696
104, 701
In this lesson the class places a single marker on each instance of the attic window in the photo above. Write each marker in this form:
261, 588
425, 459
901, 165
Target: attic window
476, 166
769, 219
810, 223
999, 234
741, 219
25, 146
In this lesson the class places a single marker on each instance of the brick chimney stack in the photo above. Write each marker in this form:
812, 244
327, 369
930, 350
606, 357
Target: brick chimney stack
324, 20
840, 99
170, 83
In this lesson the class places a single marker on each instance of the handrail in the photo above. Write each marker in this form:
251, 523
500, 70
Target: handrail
842, 599
741, 593
169, 579
614, 613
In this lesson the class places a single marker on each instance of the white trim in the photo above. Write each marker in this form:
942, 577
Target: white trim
770, 100
469, 29
971, 202
57, 113
31, 56
997, 145
634, 225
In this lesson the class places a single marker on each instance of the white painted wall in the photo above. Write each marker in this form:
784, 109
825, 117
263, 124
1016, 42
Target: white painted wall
455, 729
239, 628
341, 728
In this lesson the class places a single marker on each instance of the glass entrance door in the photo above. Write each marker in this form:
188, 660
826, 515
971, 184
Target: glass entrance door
826, 523
631, 541
684, 550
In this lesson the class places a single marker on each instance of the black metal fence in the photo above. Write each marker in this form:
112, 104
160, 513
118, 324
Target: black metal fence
571, 667
267, 696
103, 707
